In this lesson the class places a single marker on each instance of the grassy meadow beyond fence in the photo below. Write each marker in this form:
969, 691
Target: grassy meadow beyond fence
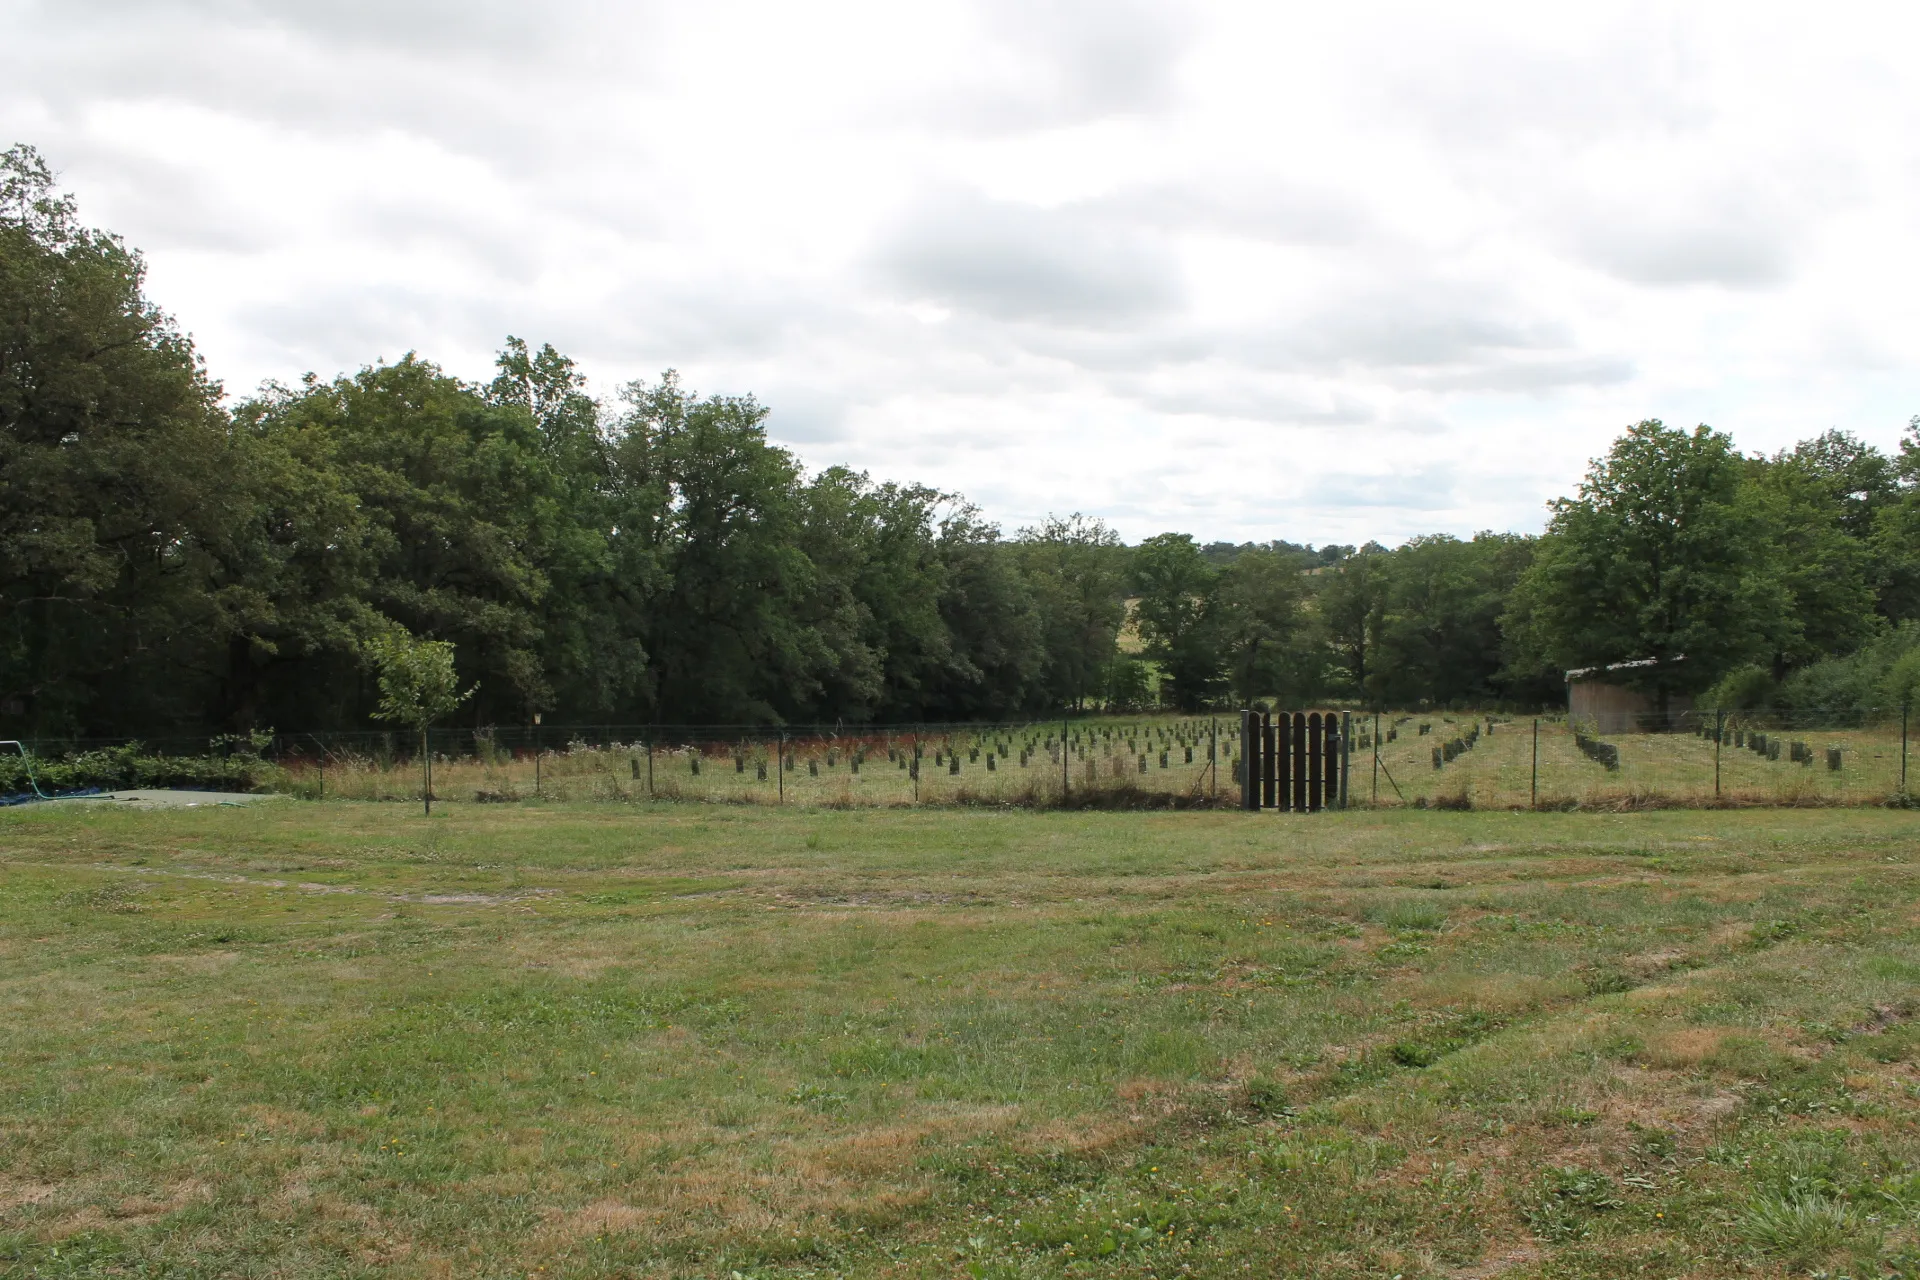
1443, 759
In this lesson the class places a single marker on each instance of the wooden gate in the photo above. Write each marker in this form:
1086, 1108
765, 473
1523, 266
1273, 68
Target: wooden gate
1294, 761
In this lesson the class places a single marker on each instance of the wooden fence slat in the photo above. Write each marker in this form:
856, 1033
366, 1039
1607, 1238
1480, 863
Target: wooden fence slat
1268, 760
1312, 763
1250, 759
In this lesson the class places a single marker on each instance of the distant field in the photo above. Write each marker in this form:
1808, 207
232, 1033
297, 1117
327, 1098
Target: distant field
664, 1040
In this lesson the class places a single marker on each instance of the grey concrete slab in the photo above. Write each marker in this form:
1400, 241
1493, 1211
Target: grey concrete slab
172, 799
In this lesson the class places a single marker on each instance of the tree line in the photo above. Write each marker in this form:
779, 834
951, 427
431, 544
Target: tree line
171, 561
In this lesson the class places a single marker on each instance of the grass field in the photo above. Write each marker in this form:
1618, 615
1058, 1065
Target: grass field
868, 768
584, 1040
1676, 767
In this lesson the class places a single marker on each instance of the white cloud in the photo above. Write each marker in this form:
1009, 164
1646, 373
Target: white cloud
1252, 270
1021, 262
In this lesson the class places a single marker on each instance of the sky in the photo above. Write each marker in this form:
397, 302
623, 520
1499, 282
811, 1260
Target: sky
1263, 270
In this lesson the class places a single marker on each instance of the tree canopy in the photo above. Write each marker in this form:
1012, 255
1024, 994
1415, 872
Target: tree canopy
175, 561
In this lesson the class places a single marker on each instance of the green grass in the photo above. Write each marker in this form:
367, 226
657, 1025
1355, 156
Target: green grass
679, 1040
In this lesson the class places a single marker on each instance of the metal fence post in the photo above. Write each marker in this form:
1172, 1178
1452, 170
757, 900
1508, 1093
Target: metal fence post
649, 741
1533, 780
780, 766
1346, 753
1249, 759
1904, 704
1376, 760
1719, 732
1213, 755
1066, 761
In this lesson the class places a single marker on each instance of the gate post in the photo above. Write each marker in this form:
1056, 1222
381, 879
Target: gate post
1269, 759
1283, 734
1300, 754
1314, 746
1344, 760
1250, 760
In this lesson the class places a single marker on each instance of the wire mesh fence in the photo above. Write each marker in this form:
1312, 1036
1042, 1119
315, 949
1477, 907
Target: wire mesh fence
1841, 756
1166, 761
1440, 759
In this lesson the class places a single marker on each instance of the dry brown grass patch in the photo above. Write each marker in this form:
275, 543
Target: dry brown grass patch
16, 1194
1686, 1048
606, 1217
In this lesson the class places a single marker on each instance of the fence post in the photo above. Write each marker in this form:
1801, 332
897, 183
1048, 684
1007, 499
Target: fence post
649, 742
1249, 759
780, 766
1346, 753
1317, 725
1299, 723
1276, 755
1533, 780
1213, 755
1376, 760
1719, 732
1904, 704
1066, 760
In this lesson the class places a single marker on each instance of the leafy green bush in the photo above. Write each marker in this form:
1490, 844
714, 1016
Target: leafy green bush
1878, 673
1742, 689
130, 767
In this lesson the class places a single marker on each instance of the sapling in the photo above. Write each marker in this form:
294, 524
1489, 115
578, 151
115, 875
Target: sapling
418, 685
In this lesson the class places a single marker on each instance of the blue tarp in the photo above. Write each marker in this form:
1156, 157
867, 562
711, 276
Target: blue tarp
27, 797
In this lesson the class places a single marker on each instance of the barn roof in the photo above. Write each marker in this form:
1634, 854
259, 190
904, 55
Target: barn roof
1638, 664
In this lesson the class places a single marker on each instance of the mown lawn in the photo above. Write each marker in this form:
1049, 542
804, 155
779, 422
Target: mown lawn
341, 1039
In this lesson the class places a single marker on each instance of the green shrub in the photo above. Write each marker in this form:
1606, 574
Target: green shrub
130, 767
1742, 689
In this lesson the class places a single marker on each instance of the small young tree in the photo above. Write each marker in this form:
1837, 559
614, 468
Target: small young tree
418, 685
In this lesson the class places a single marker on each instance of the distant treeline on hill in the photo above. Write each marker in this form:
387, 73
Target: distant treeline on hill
170, 562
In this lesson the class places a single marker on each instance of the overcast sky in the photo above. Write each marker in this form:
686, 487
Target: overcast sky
1322, 272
